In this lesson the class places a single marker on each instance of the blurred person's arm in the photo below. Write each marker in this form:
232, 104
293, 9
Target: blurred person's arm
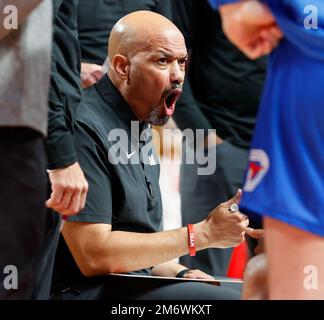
251, 27
291, 17
24, 8
68, 184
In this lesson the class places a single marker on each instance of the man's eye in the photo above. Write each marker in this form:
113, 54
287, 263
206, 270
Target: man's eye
182, 61
163, 61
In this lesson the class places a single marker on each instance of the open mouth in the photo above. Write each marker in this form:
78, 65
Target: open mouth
171, 100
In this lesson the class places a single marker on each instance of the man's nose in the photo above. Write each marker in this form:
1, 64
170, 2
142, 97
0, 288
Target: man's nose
177, 74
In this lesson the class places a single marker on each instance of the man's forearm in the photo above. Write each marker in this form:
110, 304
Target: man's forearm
24, 8
130, 251
120, 251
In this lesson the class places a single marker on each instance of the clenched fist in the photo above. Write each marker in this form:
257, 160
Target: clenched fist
251, 27
69, 190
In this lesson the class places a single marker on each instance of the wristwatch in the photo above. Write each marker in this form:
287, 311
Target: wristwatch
182, 273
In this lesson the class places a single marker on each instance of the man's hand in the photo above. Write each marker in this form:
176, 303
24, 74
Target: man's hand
172, 268
251, 27
69, 190
90, 74
225, 228
198, 274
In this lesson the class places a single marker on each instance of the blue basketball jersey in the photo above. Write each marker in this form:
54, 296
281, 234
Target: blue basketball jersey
285, 177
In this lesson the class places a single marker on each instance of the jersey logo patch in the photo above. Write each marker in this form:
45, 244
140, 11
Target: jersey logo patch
258, 167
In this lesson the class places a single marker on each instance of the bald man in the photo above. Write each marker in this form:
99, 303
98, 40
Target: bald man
119, 230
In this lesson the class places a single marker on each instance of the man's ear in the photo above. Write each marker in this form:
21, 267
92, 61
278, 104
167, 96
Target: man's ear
120, 65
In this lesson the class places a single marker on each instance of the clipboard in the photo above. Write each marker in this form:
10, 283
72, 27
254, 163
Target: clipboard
217, 280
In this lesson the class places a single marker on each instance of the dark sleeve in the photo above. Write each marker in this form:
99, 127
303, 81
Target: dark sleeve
59, 143
98, 208
188, 113
65, 90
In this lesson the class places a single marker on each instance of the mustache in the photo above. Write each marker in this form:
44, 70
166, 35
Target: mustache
169, 90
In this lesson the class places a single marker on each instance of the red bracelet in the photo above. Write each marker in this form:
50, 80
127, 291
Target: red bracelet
191, 241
